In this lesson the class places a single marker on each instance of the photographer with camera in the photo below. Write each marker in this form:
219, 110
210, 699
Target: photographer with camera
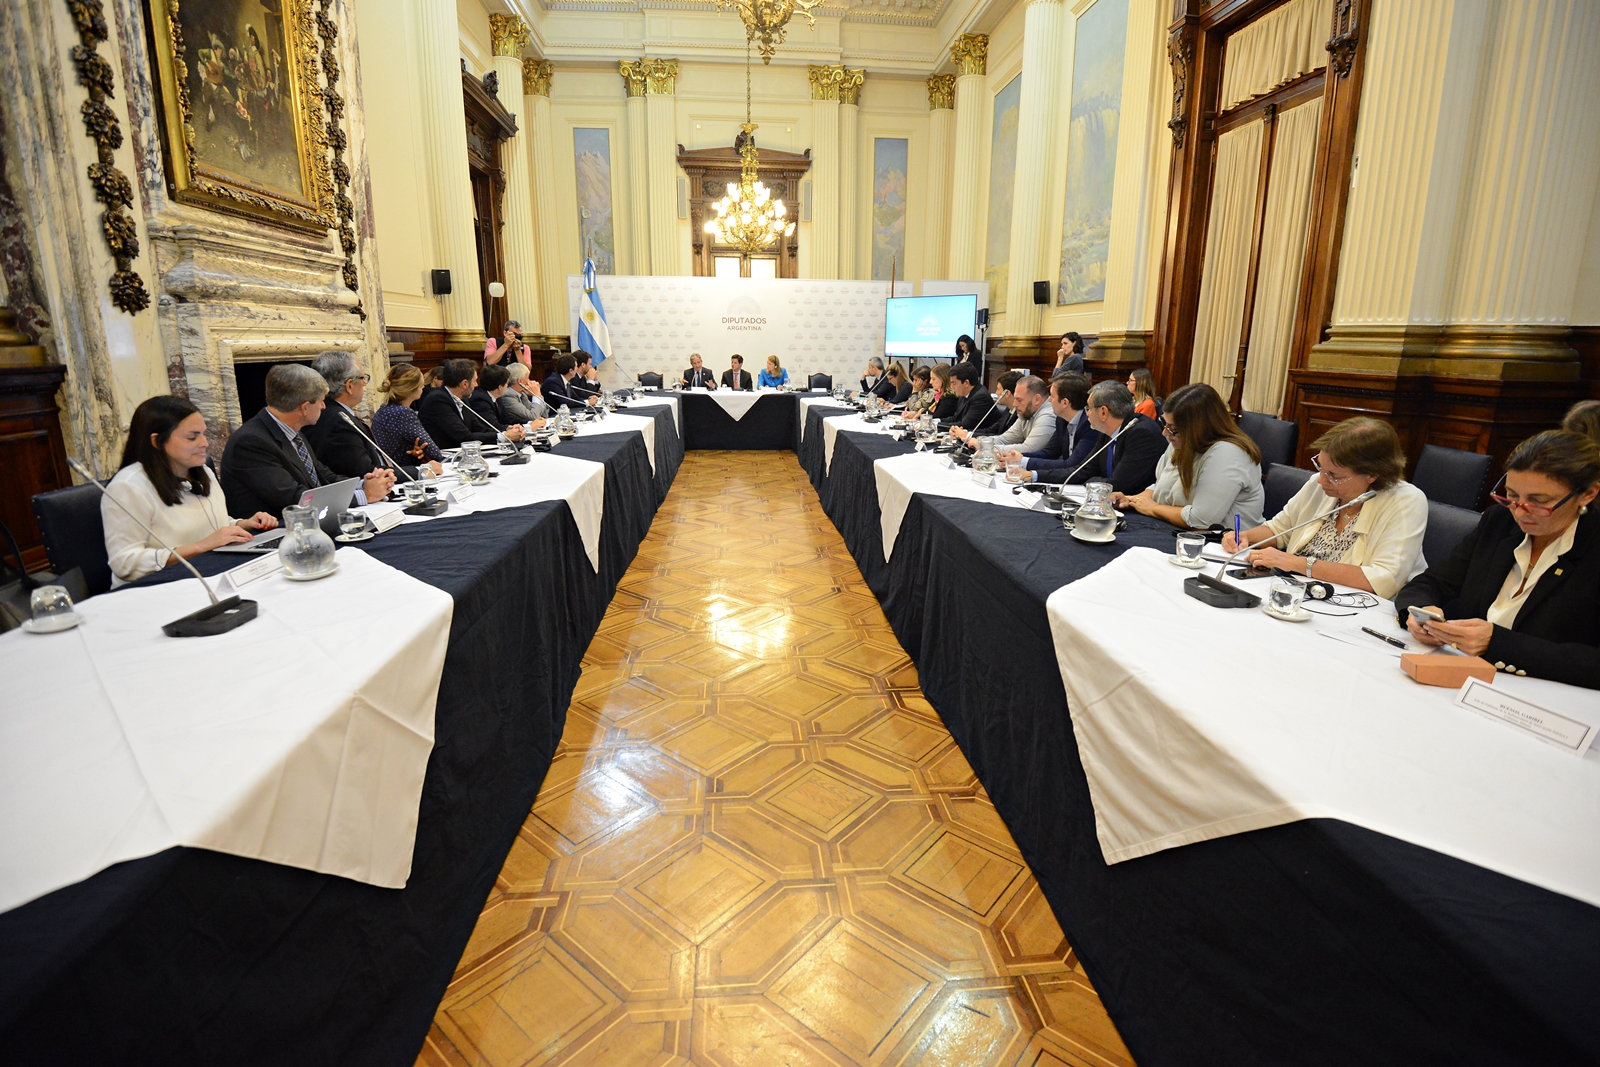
509, 349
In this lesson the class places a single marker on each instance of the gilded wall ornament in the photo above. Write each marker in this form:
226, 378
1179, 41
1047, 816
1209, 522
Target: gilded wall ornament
328, 30
661, 76
941, 92
766, 22
634, 79
536, 75
970, 53
508, 35
850, 86
826, 82
111, 186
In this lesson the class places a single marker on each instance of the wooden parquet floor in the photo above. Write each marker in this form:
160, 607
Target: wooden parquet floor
758, 846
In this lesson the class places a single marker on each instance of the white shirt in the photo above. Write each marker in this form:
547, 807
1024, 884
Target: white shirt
1389, 531
131, 551
1514, 593
1029, 433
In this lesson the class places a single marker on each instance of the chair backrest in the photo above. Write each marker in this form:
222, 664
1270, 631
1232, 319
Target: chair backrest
1275, 437
69, 523
1280, 483
822, 381
650, 377
1448, 526
1451, 476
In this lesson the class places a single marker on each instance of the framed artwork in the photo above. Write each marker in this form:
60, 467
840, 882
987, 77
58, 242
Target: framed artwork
242, 108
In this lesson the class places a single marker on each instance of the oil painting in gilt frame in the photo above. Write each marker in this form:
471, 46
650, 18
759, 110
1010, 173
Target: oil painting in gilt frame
241, 107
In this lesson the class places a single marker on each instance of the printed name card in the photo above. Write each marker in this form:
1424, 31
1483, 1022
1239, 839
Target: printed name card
461, 494
1551, 727
236, 578
385, 517
985, 480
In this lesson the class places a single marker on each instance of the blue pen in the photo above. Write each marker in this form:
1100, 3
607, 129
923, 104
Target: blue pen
1238, 532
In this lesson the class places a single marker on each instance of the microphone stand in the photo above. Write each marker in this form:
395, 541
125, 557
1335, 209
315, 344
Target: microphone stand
220, 617
437, 507
1109, 441
516, 456
1212, 590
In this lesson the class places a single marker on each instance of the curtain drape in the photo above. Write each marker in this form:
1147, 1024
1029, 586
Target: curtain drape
1227, 259
1276, 48
1283, 245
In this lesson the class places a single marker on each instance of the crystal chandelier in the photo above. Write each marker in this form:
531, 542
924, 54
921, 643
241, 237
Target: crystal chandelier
766, 20
749, 218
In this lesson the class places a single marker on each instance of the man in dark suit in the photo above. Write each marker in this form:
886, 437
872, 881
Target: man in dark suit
976, 410
586, 381
875, 382
443, 411
1129, 461
1074, 441
268, 465
493, 381
557, 387
346, 450
736, 377
697, 377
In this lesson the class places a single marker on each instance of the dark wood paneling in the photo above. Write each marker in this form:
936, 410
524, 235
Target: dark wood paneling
1585, 340
427, 349
32, 453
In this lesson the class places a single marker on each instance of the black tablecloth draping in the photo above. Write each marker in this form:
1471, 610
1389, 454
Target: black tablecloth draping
1317, 942
195, 957
772, 423
669, 445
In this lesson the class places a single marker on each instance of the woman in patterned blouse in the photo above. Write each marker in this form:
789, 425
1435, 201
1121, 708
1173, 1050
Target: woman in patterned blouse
396, 427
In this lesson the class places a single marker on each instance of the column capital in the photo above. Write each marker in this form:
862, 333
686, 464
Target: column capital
970, 53
536, 74
661, 76
850, 87
508, 34
826, 82
634, 76
941, 91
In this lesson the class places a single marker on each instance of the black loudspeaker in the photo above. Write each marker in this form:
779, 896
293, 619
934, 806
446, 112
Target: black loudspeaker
441, 283
983, 316
1041, 292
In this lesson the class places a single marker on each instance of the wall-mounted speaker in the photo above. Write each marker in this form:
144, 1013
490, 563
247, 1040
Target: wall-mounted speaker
805, 201
683, 198
983, 316
441, 283
1041, 292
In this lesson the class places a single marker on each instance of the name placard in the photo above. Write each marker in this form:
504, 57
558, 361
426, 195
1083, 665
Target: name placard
1551, 727
461, 493
985, 480
385, 517
236, 578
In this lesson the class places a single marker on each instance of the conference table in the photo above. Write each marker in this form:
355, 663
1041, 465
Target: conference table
192, 955
1313, 941
738, 420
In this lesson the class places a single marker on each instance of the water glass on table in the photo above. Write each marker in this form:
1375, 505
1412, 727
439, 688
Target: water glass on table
1284, 597
1190, 547
415, 492
351, 524
1016, 472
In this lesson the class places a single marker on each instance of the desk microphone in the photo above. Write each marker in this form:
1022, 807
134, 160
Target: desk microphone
516, 446
1214, 591
220, 617
356, 424
1108, 443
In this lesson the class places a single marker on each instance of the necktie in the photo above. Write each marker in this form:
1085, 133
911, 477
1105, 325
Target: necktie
305, 457
1111, 458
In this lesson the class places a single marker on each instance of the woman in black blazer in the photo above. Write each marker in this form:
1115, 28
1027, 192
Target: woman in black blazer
1523, 590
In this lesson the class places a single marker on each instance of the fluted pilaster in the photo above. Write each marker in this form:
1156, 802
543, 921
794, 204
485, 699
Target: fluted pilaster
850, 206
536, 78
970, 52
1043, 25
522, 302
825, 195
661, 164
637, 192
941, 150
444, 135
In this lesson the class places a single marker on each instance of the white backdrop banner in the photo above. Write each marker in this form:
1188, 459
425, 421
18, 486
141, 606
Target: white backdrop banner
827, 327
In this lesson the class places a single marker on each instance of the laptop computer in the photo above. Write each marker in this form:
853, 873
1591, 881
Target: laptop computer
327, 500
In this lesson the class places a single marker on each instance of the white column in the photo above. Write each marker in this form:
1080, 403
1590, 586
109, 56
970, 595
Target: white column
971, 54
444, 135
662, 166
825, 170
1138, 203
553, 316
941, 150
850, 173
1042, 48
637, 188
510, 36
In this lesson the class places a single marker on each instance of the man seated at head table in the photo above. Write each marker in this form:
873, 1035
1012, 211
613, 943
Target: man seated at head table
494, 384
558, 392
976, 411
1034, 424
1375, 546
697, 377
736, 377
521, 401
586, 382
1210, 473
1073, 440
344, 448
268, 465
875, 382
444, 411
1523, 589
164, 481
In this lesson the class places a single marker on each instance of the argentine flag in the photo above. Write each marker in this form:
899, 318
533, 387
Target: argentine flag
593, 335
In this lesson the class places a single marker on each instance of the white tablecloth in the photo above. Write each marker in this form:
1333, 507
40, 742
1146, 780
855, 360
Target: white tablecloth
307, 748
855, 424
645, 425
737, 403
1196, 722
580, 482
645, 400
805, 408
928, 472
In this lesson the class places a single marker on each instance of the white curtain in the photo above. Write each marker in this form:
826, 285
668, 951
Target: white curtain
1276, 48
1225, 270
1283, 245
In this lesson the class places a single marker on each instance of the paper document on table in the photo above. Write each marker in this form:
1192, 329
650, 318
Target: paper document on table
1354, 635
1553, 728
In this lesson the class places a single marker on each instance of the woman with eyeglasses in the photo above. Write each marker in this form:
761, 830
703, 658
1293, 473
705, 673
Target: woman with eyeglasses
1375, 546
1523, 589
1211, 470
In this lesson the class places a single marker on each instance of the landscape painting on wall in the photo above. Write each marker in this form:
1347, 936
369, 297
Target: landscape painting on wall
1092, 151
888, 206
1002, 171
596, 238
242, 131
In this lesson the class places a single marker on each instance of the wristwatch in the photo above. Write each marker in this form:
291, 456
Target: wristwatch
1310, 562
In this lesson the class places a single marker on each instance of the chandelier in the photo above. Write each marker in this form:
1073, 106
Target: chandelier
766, 20
749, 218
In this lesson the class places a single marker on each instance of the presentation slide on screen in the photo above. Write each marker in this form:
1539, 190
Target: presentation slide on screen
929, 325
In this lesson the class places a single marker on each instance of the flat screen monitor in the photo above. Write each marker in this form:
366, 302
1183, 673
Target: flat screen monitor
929, 325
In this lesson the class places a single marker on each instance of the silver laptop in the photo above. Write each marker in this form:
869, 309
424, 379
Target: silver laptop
328, 500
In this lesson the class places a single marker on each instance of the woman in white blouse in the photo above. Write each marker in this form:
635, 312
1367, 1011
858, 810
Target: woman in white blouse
165, 482
1376, 546
1211, 471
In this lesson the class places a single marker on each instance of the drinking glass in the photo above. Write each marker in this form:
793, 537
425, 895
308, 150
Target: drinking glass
1190, 547
50, 603
1016, 473
1284, 597
415, 492
352, 523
